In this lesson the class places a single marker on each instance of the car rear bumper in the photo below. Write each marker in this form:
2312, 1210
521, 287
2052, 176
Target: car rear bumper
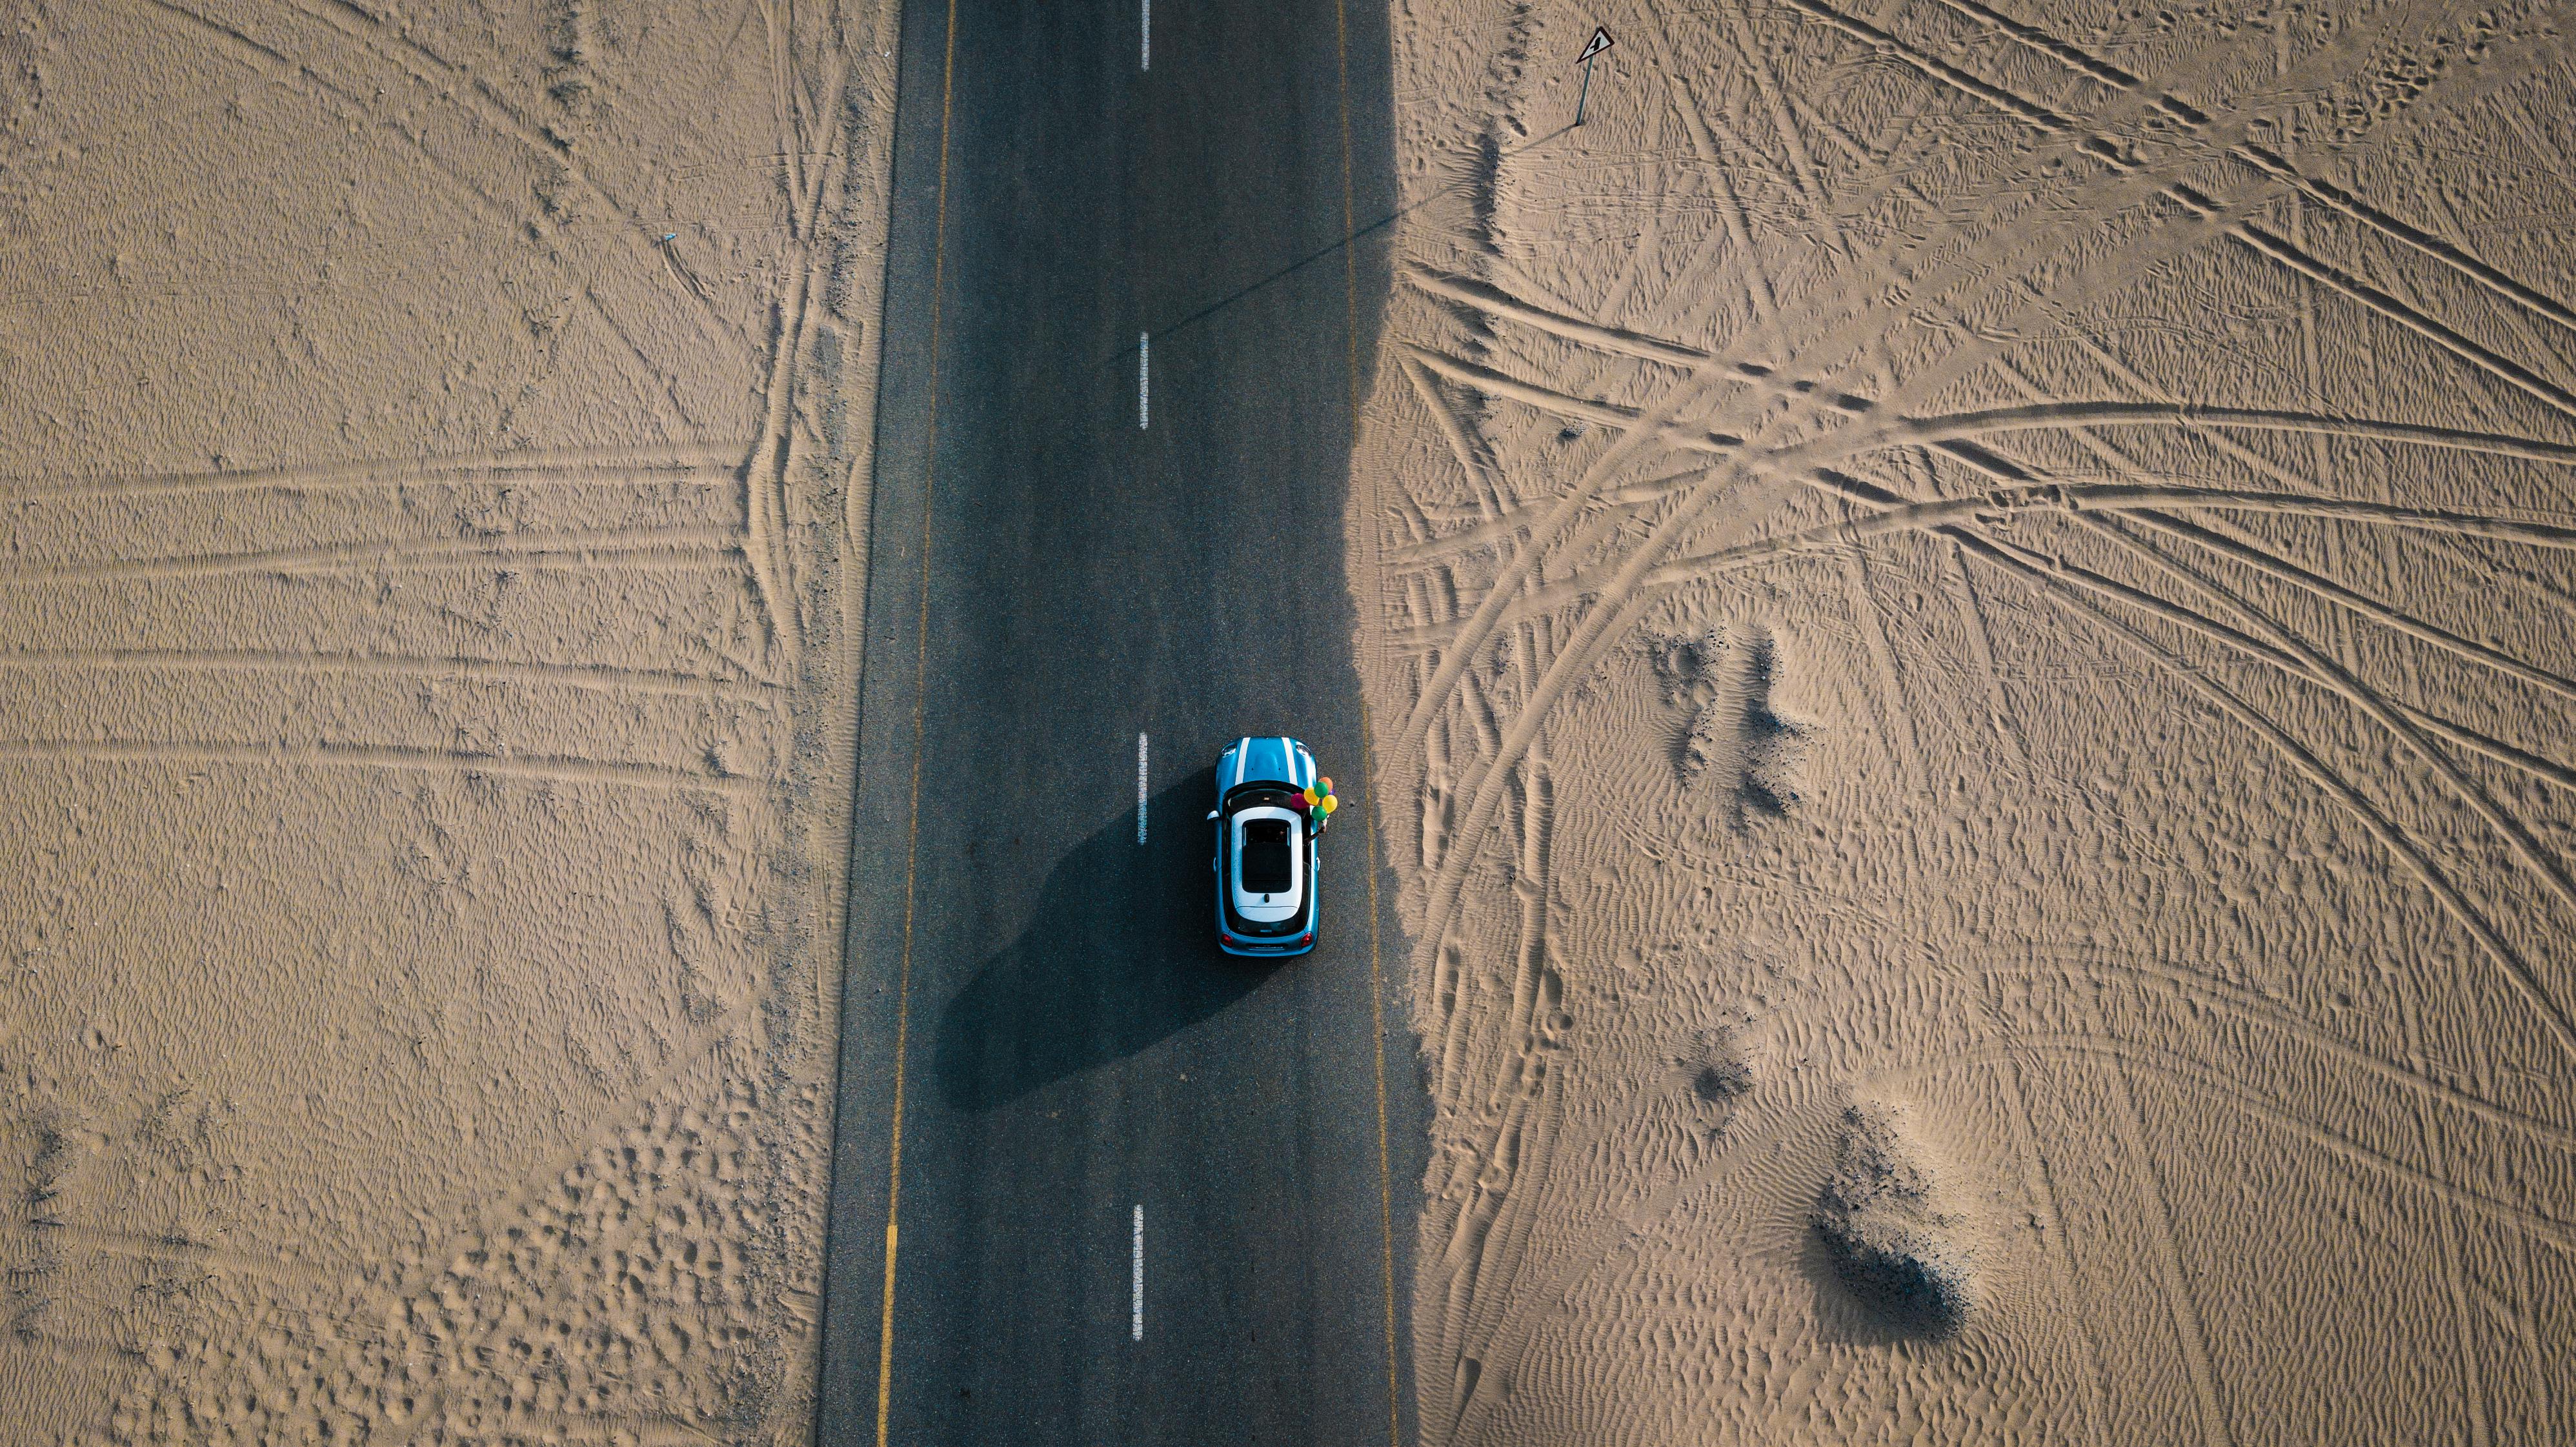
1236, 945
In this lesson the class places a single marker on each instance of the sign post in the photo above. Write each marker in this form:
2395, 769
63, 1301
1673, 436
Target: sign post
1600, 42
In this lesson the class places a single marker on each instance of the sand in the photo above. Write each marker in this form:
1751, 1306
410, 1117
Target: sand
1970, 612
433, 471
1971, 615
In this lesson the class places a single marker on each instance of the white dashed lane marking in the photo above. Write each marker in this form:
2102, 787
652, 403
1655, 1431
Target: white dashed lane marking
1145, 52
1140, 788
1144, 372
1136, 1282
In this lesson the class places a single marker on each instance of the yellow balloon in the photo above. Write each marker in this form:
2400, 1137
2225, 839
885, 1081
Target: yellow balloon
1310, 794
1327, 806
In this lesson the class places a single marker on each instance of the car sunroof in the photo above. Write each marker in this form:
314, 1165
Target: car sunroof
1266, 863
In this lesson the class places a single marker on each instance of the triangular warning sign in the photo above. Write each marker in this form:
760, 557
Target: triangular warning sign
1601, 41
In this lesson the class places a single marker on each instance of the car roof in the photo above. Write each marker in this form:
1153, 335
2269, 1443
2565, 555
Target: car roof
1280, 760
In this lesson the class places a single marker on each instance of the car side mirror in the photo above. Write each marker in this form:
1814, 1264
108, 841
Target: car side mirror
1212, 814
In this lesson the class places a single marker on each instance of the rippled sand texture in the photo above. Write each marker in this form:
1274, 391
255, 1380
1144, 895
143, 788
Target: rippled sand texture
431, 462
1972, 628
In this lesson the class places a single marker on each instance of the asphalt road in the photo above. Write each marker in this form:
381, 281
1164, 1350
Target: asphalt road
1049, 580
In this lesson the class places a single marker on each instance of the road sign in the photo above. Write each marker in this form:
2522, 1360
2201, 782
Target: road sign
1600, 42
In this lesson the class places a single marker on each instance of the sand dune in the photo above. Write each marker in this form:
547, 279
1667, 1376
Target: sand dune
1974, 622
433, 448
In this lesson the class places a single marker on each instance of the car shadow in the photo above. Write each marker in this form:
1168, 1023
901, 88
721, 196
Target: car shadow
1119, 953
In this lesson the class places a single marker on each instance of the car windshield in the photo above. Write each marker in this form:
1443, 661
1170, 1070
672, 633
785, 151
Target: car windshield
1266, 865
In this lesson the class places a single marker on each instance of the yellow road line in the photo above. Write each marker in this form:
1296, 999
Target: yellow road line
920, 705
1377, 1025
1368, 769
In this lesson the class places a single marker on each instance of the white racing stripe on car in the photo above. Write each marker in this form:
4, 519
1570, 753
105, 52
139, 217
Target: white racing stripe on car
1140, 788
1136, 1282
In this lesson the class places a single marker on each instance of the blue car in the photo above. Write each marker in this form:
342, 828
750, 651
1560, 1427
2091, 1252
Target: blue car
1265, 848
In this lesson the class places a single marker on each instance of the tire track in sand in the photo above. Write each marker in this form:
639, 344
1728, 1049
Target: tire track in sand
2508, 962
1471, 642
2447, 253
1859, 298
2247, 233
2234, 544
2103, 1047
535, 768
603, 677
304, 79
2381, 710
605, 467
602, 551
2191, 989
2040, 1181
1493, 603
443, 81
1596, 630
2006, 505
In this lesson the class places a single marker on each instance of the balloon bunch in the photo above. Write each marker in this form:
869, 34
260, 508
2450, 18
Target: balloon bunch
1318, 801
